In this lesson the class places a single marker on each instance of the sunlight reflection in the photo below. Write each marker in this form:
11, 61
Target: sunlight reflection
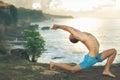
85, 23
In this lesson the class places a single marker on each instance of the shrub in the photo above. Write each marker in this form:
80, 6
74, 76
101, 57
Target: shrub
2, 49
34, 44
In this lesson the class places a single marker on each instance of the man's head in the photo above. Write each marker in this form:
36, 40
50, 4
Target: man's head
72, 39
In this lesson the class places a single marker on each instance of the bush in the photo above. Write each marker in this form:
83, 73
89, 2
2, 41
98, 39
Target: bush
34, 44
2, 49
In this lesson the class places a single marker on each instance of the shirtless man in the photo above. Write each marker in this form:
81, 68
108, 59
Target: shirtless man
92, 57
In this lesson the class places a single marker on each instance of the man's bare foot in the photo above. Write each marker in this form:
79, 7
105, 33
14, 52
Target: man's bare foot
109, 74
52, 66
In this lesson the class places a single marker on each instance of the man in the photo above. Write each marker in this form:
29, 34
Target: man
92, 57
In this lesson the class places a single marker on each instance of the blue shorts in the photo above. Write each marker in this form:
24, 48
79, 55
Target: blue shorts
89, 61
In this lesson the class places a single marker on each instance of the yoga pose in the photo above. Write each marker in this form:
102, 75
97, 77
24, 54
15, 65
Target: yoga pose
93, 55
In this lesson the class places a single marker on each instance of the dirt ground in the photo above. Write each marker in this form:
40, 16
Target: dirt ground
44, 73
93, 73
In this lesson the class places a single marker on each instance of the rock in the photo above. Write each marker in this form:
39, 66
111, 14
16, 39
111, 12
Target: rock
20, 53
45, 28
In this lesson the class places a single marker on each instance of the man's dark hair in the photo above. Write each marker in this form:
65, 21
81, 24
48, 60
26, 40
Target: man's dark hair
74, 40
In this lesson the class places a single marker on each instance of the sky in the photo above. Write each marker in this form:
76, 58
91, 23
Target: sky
70, 7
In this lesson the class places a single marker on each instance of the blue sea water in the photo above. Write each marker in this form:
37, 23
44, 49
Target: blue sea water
60, 49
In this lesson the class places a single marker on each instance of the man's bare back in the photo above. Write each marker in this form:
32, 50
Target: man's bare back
91, 43
86, 38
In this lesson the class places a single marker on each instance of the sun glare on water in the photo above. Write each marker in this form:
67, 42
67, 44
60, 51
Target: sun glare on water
84, 24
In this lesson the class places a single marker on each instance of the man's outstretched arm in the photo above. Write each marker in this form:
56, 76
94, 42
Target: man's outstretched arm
66, 28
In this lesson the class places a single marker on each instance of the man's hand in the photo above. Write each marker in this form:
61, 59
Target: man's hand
55, 27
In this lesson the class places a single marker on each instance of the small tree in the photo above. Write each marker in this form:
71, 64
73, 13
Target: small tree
34, 44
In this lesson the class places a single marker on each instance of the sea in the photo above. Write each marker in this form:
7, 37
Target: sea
59, 49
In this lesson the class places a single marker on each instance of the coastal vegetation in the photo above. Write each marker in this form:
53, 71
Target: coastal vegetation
34, 45
30, 15
8, 16
12, 22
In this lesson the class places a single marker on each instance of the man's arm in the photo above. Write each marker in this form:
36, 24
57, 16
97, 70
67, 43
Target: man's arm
66, 28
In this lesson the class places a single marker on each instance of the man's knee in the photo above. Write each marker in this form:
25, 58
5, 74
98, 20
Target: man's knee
114, 51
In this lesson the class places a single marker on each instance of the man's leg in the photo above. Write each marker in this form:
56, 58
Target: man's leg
110, 56
65, 67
